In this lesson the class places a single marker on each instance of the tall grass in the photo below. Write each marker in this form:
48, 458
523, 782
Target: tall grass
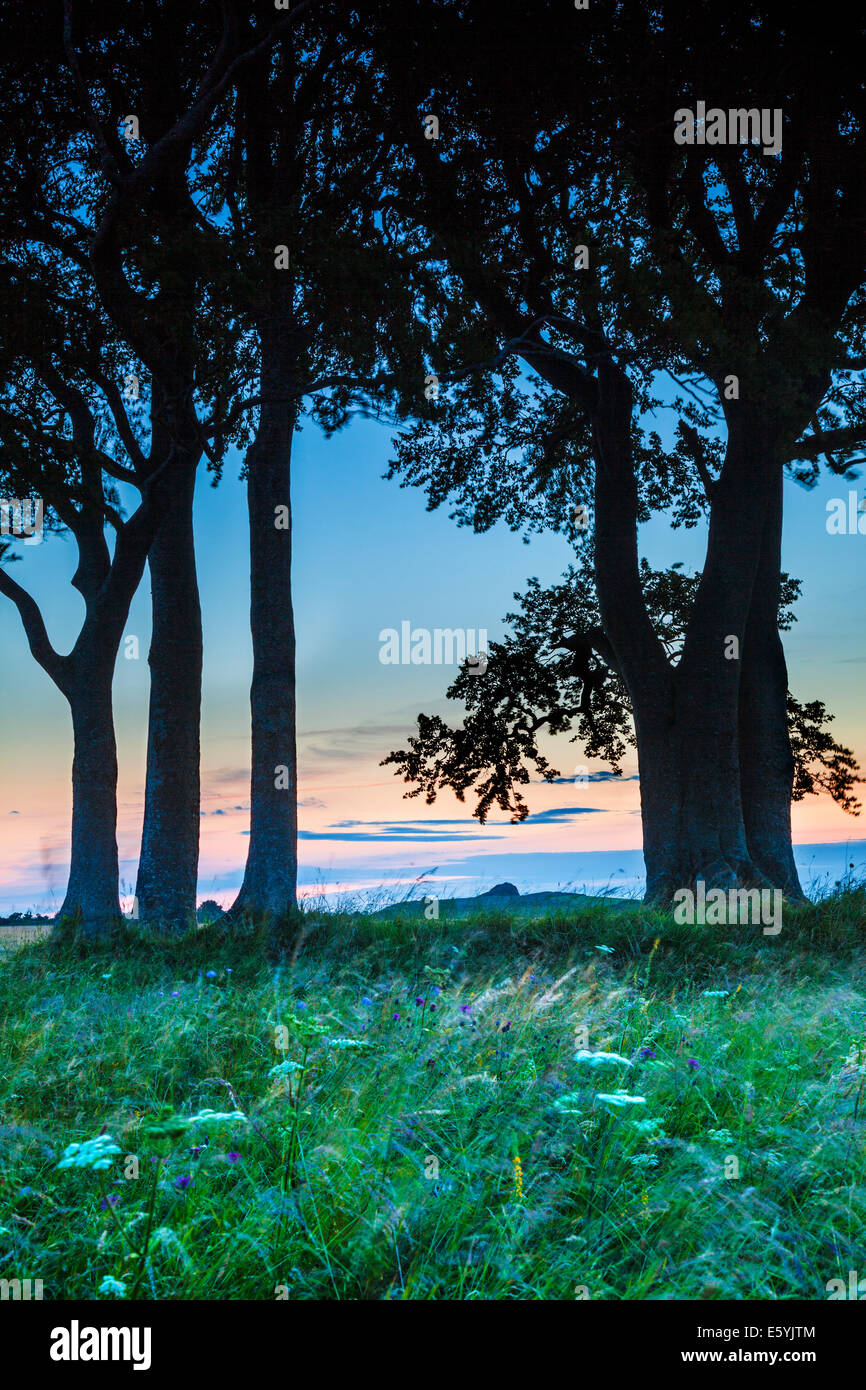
417, 1123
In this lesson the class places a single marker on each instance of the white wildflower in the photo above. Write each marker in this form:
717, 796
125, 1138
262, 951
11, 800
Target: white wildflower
568, 1105
596, 1059
650, 1129
95, 1154
112, 1288
621, 1098
212, 1117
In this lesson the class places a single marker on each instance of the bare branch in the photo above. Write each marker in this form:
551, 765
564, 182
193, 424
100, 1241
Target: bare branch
34, 628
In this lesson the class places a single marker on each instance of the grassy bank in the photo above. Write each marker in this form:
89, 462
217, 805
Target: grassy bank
417, 1122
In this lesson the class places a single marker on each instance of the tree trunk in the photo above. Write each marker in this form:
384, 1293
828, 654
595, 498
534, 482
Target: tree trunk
270, 878
687, 718
766, 759
692, 819
168, 866
92, 891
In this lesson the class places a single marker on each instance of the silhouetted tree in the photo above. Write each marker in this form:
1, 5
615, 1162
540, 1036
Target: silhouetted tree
601, 252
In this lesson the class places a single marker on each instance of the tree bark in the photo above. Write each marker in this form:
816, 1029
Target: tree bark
766, 759
687, 718
92, 890
270, 879
168, 864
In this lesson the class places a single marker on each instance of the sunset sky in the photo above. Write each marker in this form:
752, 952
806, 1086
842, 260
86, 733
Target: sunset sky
367, 557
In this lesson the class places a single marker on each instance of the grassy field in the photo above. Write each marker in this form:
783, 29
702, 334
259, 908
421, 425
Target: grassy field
403, 1110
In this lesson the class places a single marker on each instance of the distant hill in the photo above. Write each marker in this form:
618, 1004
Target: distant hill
503, 896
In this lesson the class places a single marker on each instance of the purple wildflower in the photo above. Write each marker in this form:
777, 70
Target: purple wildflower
233, 1156
646, 1054
183, 1181
110, 1201
695, 1066
419, 1000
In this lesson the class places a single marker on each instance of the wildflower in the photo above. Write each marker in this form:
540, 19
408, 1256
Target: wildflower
419, 1000
569, 1104
210, 974
183, 1181
597, 1059
436, 990
647, 1054
196, 1150
651, 1130
695, 1066
307, 1030
506, 1026
621, 1098
211, 1117
518, 1179
175, 994
112, 1288
110, 1201
284, 1068
368, 1002
396, 1018
165, 1125
95, 1154
466, 1008
232, 1155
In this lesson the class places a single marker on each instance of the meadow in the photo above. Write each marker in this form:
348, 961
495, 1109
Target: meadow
596, 1104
